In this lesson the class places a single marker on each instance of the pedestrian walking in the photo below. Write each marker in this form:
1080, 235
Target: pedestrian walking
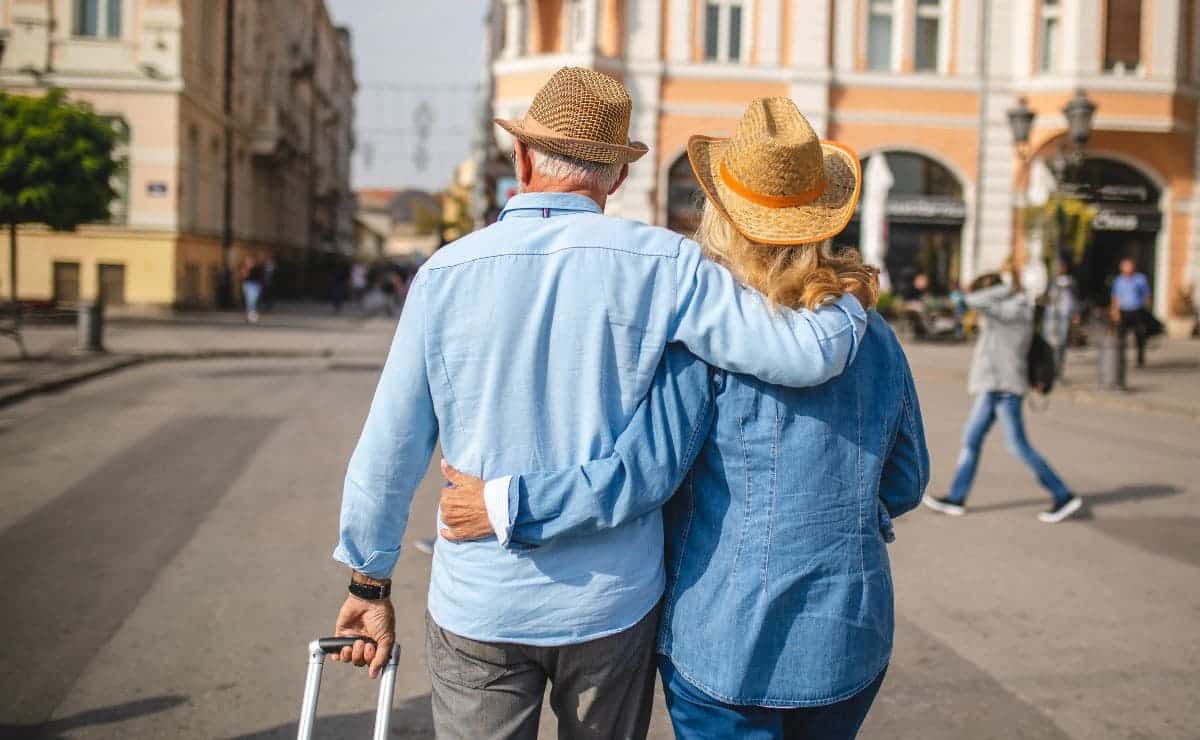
530, 343
784, 477
359, 274
1131, 307
252, 285
999, 379
1062, 312
268, 286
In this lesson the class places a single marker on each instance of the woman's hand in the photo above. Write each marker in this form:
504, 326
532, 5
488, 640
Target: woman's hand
463, 509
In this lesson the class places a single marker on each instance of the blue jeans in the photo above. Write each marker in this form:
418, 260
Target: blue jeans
697, 716
1008, 407
251, 290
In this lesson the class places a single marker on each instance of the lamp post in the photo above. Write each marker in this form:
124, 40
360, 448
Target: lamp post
1079, 111
1070, 155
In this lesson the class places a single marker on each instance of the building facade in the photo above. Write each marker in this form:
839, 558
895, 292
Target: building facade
237, 120
924, 83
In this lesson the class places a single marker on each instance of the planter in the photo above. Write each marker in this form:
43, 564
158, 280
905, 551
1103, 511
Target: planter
1181, 327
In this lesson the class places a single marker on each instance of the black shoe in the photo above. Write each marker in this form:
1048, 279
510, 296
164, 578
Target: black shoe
944, 505
1061, 511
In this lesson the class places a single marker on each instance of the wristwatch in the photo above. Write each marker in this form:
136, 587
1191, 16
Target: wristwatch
369, 592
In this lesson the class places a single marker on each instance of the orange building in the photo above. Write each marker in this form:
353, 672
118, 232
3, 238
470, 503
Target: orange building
924, 83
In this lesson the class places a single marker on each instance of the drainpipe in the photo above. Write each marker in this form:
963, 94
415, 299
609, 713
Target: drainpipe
226, 299
985, 12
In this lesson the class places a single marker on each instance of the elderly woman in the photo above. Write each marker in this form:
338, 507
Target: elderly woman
777, 619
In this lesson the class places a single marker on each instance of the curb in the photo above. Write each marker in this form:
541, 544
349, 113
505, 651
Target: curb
66, 379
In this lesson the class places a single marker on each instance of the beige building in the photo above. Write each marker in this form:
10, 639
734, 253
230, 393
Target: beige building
232, 149
926, 84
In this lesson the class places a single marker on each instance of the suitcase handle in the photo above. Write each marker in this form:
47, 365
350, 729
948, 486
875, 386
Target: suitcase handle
317, 650
331, 645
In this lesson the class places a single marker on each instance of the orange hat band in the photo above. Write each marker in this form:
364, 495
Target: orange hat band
771, 201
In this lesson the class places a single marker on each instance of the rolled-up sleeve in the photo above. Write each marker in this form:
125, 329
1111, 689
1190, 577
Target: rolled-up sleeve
393, 451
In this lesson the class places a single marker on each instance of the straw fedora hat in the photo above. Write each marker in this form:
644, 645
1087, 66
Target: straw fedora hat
582, 114
775, 181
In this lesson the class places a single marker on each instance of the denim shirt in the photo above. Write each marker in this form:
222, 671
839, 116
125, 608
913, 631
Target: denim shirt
779, 588
528, 345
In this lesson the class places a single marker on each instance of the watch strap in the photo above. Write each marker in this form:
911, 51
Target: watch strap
369, 592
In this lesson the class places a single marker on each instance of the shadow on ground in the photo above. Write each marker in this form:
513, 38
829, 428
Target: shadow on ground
412, 718
92, 717
1121, 495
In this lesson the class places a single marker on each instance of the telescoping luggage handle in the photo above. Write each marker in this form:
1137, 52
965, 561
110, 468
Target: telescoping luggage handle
317, 650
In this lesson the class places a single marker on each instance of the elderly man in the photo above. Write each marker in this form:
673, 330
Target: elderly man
528, 345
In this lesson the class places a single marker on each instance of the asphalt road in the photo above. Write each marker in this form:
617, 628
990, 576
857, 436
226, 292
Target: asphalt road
165, 537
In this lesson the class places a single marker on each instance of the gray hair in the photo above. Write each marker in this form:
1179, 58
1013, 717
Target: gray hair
578, 172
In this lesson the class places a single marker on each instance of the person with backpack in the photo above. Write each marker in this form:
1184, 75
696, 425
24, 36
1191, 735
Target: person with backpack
1007, 355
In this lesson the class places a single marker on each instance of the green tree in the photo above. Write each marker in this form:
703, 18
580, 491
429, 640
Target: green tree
56, 168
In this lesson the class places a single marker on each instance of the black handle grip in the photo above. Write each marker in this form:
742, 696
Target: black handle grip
331, 645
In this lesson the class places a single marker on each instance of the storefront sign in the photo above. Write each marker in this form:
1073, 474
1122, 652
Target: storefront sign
916, 209
1113, 221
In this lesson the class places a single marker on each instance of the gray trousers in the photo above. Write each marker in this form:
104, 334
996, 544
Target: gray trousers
602, 689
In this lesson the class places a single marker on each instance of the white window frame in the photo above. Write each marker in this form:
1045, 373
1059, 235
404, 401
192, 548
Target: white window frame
723, 32
939, 11
1047, 11
894, 9
103, 9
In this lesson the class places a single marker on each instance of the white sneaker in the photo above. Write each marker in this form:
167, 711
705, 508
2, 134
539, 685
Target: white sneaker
1061, 511
945, 506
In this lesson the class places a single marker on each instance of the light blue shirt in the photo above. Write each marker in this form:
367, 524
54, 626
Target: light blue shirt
528, 345
1131, 292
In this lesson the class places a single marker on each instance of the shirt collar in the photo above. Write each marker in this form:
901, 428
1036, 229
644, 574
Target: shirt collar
551, 202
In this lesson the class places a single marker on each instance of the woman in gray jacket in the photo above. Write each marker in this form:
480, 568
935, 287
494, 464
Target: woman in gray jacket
999, 379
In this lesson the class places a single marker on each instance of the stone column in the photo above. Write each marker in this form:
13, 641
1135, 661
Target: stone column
515, 26
679, 35
643, 78
809, 61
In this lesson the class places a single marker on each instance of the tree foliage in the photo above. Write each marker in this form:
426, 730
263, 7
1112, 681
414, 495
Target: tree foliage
56, 161
1066, 225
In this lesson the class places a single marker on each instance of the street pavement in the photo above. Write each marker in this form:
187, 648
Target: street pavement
165, 534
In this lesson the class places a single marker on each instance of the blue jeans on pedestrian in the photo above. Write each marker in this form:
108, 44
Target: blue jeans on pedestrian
697, 716
1008, 407
251, 290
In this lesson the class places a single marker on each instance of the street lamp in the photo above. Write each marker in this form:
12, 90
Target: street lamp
1079, 112
1020, 120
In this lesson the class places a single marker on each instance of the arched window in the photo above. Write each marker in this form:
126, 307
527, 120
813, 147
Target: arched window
684, 197
925, 215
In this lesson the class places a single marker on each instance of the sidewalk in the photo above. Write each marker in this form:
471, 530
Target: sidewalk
301, 330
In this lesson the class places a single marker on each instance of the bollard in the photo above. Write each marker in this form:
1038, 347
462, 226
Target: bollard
91, 327
1111, 363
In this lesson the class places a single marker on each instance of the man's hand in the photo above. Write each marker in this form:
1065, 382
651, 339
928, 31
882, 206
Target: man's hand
463, 510
374, 619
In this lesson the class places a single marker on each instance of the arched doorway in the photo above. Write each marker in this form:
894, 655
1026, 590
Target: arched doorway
925, 217
684, 197
1127, 224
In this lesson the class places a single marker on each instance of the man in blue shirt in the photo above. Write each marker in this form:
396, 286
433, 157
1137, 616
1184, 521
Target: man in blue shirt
528, 345
1130, 304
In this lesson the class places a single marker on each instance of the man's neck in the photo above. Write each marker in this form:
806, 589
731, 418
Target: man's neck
543, 186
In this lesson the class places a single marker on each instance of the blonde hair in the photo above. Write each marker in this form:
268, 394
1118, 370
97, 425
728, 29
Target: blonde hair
795, 276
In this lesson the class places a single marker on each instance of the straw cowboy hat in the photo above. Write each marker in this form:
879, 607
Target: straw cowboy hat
775, 181
581, 114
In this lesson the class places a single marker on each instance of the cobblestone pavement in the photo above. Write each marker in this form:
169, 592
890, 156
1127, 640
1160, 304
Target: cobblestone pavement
165, 535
